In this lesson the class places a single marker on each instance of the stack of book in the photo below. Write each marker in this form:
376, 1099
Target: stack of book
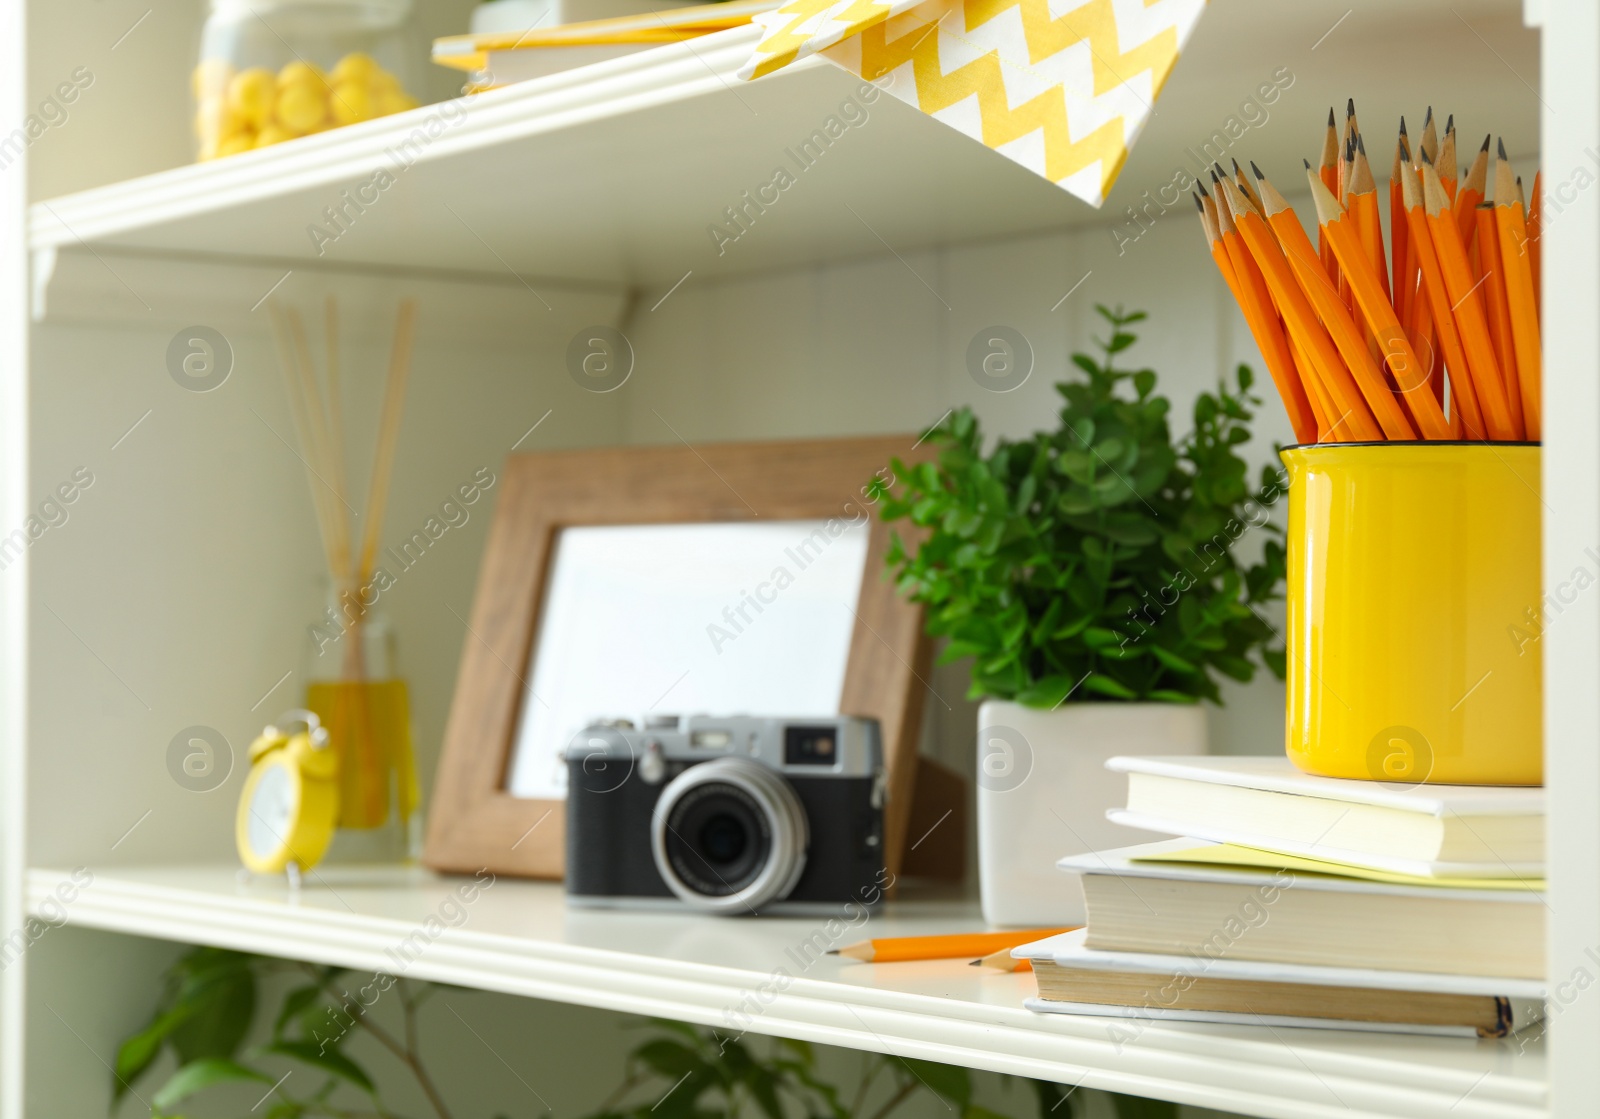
497, 59
1293, 900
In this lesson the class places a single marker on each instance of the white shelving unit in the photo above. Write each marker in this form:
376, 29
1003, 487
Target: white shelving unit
171, 596
770, 976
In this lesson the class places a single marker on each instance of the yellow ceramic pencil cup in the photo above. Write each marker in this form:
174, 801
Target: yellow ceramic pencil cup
1414, 598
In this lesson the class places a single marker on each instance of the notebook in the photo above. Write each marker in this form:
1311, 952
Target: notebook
1291, 916
1428, 831
1074, 979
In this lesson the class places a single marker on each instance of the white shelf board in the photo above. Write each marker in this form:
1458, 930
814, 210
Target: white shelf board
613, 172
520, 938
610, 172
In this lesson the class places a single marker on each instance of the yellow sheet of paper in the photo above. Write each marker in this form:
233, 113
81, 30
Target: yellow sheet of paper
1062, 87
1228, 854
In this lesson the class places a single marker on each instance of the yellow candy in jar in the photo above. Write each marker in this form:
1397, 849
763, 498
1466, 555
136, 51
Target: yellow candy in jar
272, 134
251, 95
298, 72
351, 103
236, 142
301, 107
388, 96
355, 67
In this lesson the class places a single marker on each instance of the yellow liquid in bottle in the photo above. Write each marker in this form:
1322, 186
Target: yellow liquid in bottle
369, 726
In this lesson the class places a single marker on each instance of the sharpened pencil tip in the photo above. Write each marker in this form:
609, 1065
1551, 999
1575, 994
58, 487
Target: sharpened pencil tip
1361, 145
1256, 170
832, 952
1307, 162
1450, 123
1485, 144
1426, 159
1402, 126
1502, 148
1427, 120
1202, 187
1331, 124
1236, 170
1350, 107
1198, 205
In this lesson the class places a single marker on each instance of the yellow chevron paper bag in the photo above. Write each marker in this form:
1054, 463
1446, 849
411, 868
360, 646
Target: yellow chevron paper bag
1062, 87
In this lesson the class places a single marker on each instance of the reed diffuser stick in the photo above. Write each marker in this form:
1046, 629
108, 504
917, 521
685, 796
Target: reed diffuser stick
394, 402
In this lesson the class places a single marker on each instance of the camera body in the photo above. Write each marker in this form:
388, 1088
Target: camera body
736, 814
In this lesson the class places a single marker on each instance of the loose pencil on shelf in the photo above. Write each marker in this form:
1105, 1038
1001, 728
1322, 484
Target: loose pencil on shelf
957, 946
1003, 960
1422, 328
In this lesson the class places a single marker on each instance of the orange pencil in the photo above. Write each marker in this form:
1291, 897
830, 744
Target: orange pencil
1353, 420
1430, 136
1499, 311
1404, 282
1244, 186
1328, 170
1259, 308
1267, 331
1003, 960
1445, 162
1470, 194
1363, 207
1341, 326
1463, 401
895, 949
1424, 334
1535, 246
1466, 304
1410, 374
1516, 261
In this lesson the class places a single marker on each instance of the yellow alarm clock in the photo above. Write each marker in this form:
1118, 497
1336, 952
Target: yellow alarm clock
290, 803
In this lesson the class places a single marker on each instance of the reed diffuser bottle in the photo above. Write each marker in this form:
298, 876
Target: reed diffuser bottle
354, 686
352, 679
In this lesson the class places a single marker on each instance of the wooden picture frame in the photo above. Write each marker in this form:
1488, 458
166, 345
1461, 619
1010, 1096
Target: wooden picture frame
476, 824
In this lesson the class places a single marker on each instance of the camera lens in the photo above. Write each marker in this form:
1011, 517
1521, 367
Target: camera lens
729, 835
723, 838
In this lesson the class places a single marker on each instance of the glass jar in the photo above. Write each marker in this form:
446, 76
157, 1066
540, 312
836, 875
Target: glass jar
271, 70
354, 687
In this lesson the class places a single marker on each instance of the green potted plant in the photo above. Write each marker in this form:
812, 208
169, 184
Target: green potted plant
1091, 574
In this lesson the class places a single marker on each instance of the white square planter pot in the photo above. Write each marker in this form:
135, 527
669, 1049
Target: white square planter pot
1043, 792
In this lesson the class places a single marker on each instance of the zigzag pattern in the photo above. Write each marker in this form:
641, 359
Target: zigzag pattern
1058, 94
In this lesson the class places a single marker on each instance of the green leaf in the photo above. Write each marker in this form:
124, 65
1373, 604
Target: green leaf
1097, 637
137, 1053
1105, 685
295, 1003
331, 1061
670, 1058
196, 1076
1047, 693
220, 1000
1173, 660
948, 1081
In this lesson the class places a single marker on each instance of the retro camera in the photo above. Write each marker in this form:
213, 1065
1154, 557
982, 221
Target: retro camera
730, 815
